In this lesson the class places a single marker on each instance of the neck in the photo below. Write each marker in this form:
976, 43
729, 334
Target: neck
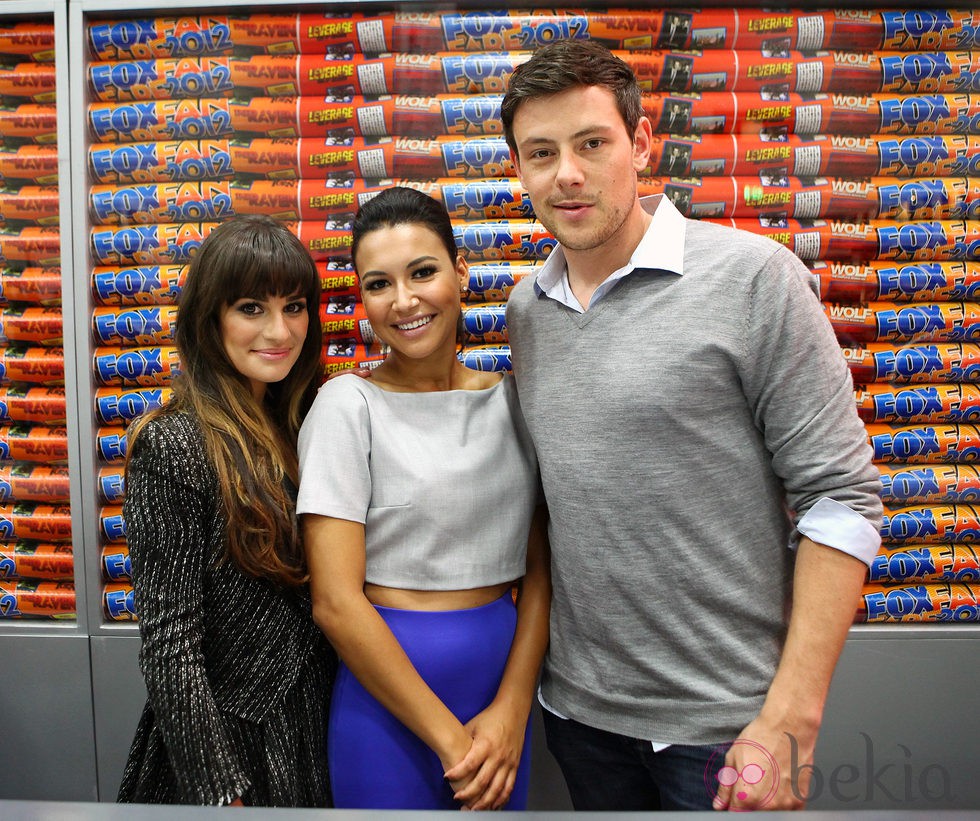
590, 267
421, 376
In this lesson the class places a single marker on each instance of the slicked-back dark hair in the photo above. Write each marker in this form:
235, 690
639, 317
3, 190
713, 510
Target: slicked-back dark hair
401, 205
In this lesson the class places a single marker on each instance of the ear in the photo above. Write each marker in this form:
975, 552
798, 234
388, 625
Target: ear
517, 165
463, 273
642, 144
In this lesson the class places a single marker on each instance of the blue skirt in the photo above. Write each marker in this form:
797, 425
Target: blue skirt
375, 761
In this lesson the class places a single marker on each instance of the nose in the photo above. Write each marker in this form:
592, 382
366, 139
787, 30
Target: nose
277, 327
568, 172
405, 298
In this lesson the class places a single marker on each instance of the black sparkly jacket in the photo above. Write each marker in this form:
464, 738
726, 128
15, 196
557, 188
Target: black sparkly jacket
237, 675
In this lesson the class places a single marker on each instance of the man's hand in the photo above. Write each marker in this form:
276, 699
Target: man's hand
759, 774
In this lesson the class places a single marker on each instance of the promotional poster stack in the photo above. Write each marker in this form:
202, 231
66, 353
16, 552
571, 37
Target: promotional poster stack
36, 552
850, 136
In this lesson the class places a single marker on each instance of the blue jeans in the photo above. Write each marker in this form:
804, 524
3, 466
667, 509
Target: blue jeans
607, 771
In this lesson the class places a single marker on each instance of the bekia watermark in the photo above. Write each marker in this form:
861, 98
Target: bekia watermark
882, 779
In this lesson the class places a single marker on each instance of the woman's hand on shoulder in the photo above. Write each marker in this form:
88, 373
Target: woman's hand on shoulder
364, 373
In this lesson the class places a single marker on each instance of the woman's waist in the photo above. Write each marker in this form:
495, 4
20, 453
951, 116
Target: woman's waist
406, 599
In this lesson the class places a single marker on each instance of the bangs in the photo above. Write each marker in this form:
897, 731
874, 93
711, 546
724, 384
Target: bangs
264, 266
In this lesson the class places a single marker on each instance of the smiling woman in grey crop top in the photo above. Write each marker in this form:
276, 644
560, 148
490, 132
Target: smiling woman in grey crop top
443, 493
419, 505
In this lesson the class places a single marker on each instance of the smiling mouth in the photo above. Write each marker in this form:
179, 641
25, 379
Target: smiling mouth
415, 323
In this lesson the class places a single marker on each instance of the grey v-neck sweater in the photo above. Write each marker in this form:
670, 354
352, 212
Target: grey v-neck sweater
678, 423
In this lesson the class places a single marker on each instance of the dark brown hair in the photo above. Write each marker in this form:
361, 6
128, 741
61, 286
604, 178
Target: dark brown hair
251, 445
566, 64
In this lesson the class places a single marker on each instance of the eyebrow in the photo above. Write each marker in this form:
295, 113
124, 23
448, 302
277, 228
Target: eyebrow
411, 264
578, 135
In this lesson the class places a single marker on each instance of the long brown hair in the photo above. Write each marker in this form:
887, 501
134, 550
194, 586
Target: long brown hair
251, 445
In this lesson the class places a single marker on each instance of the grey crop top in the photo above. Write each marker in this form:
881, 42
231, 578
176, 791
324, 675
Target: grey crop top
444, 482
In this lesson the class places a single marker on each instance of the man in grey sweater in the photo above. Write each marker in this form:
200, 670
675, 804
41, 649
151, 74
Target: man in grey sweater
713, 504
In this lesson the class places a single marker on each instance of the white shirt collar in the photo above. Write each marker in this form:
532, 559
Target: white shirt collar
661, 248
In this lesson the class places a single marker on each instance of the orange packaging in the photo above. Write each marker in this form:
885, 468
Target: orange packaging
148, 365
287, 159
27, 38
120, 406
914, 362
40, 599
34, 443
37, 204
814, 156
20, 403
25, 482
516, 240
32, 364
911, 282
920, 322
39, 286
166, 243
333, 80
304, 199
352, 327
35, 520
493, 281
310, 116
780, 70
931, 524
32, 122
772, 71
918, 403
37, 164
906, 563
342, 354
139, 285
33, 324
112, 484
325, 242
940, 240
496, 30
806, 199
36, 560
110, 444
31, 246
904, 485
28, 81
916, 444
111, 524
336, 283
118, 602
485, 323
947, 603
116, 566
486, 357
776, 115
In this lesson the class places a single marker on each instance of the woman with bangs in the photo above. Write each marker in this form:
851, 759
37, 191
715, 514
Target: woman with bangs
236, 672
418, 497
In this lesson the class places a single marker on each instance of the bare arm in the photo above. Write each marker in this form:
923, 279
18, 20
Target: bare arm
335, 553
826, 590
498, 731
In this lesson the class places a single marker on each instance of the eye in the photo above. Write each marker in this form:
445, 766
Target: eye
540, 154
594, 143
375, 284
424, 272
297, 307
249, 308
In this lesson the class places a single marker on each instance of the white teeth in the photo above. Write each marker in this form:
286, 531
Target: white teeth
418, 323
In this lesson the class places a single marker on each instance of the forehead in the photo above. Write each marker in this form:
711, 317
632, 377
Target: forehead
394, 246
565, 113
